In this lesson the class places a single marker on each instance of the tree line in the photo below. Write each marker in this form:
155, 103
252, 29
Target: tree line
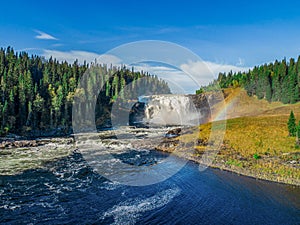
278, 81
36, 94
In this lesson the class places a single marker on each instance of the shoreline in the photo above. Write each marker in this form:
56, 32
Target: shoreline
250, 175
221, 165
168, 145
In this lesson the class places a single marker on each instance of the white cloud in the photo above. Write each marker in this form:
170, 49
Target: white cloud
186, 79
189, 77
217, 68
81, 56
178, 81
44, 36
205, 71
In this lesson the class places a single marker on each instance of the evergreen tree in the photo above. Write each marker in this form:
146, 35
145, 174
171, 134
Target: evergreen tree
37, 94
292, 124
298, 134
278, 81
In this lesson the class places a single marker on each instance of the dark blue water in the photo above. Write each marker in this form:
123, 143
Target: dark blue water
69, 192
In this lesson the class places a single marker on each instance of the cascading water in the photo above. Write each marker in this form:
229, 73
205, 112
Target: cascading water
168, 110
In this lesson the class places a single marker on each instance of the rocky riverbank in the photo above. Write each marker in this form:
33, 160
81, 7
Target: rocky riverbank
22, 143
18, 154
282, 168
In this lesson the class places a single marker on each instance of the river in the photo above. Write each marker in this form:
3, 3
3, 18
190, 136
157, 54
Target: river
68, 191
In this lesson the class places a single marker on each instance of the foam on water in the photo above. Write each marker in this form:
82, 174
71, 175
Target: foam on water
69, 192
128, 212
111, 185
170, 110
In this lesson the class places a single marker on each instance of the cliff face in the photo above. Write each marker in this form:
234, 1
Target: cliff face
201, 103
170, 110
137, 115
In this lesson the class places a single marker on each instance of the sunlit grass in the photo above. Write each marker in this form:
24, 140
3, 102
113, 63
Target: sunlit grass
255, 141
260, 145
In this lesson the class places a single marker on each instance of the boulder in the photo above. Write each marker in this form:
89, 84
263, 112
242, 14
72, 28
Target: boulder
173, 133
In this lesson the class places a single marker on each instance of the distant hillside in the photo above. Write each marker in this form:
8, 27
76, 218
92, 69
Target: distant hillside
278, 81
240, 104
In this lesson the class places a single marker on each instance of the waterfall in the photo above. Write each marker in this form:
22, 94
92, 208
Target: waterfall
169, 110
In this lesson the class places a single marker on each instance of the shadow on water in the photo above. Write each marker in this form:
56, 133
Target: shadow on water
276, 192
141, 157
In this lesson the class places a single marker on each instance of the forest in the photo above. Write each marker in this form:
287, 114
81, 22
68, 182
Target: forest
278, 81
36, 94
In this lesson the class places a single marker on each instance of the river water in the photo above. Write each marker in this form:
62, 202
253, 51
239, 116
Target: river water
68, 191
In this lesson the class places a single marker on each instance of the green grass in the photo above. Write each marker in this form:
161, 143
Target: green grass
257, 142
234, 162
263, 144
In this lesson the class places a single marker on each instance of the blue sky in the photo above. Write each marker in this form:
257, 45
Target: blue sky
236, 33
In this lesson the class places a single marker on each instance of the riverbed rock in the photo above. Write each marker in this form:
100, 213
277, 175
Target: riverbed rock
137, 114
34, 143
173, 133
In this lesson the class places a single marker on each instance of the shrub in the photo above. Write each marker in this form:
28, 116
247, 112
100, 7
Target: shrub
256, 156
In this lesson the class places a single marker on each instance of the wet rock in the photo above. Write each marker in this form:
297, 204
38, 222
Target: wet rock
173, 133
34, 143
189, 145
167, 145
202, 142
25, 143
137, 114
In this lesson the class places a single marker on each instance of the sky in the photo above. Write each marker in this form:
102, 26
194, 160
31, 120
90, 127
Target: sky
225, 34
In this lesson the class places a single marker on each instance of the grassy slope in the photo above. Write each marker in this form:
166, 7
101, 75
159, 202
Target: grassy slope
242, 105
255, 127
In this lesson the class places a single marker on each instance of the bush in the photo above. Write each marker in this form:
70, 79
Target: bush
256, 156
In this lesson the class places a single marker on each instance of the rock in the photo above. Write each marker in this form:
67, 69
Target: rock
173, 133
6, 144
167, 145
137, 114
202, 105
25, 143
202, 142
189, 145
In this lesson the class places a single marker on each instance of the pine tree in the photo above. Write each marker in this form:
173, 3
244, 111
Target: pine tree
269, 93
298, 134
278, 81
38, 106
292, 124
36, 93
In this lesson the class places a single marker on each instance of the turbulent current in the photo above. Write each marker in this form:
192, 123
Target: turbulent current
69, 191
170, 110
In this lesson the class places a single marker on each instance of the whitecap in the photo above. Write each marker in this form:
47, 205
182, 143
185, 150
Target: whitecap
128, 212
